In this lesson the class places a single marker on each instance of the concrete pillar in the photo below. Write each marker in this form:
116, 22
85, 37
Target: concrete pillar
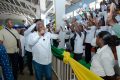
38, 12
60, 12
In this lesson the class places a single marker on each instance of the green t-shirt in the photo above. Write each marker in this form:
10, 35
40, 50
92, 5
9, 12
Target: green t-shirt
116, 29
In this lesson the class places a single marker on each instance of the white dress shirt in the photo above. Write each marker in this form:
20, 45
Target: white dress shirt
102, 28
90, 34
62, 39
78, 46
41, 47
103, 62
26, 35
105, 28
62, 36
22, 40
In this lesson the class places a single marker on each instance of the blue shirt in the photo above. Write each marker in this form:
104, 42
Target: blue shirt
4, 63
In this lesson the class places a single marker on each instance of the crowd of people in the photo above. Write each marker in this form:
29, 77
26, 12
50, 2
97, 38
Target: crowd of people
98, 29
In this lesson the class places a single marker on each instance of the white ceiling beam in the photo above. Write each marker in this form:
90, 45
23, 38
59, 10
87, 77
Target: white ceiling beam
31, 10
43, 5
9, 1
14, 9
19, 3
5, 7
2, 6
19, 11
28, 19
11, 8
14, 2
28, 3
28, 7
16, 6
46, 13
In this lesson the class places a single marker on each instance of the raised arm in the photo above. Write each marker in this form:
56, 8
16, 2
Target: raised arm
28, 31
70, 26
54, 36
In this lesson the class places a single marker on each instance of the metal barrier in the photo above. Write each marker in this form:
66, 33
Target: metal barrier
62, 71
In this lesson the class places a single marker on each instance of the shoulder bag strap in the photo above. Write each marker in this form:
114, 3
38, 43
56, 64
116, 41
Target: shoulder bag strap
14, 36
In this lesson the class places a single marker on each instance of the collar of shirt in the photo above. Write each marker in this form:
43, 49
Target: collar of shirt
9, 28
101, 49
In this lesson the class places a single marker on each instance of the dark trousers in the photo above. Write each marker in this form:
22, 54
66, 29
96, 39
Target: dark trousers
78, 57
42, 70
88, 52
21, 64
110, 78
14, 63
29, 61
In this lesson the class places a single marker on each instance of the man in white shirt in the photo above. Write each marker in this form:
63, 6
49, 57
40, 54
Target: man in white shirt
41, 49
78, 45
28, 51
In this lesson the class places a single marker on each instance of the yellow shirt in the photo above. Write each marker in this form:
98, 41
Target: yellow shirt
1, 27
9, 40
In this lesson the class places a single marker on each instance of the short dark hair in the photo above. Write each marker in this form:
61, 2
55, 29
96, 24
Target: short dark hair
36, 20
108, 39
6, 21
105, 36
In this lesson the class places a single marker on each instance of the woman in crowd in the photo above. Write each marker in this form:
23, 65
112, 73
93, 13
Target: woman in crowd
4, 63
103, 61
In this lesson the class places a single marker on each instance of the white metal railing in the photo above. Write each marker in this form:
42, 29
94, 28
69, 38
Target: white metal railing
62, 71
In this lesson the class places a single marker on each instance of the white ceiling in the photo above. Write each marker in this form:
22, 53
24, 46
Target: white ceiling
24, 7
20, 9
